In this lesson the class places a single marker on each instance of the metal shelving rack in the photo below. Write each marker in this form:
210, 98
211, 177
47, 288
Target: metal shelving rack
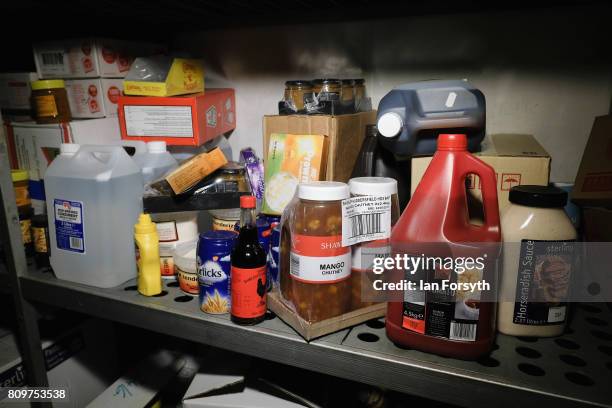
570, 371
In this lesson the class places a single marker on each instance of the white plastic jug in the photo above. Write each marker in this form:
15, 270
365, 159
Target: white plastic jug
94, 198
156, 161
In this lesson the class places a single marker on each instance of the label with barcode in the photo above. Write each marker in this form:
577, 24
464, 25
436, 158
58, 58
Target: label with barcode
365, 218
463, 331
52, 58
69, 233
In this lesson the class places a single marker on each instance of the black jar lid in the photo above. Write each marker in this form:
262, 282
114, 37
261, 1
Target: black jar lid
359, 81
298, 82
348, 82
327, 81
538, 196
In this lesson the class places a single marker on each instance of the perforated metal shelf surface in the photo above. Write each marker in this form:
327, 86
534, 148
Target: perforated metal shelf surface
569, 371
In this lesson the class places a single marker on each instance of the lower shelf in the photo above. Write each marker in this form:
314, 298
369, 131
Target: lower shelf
569, 371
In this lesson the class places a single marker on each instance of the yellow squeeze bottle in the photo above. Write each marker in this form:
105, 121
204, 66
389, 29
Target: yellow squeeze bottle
149, 271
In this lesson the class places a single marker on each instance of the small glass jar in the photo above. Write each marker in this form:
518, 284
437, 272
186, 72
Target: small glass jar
50, 101
327, 89
316, 268
360, 92
348, 91
538, 262
298, 93
24, 207
362, 277
231, 178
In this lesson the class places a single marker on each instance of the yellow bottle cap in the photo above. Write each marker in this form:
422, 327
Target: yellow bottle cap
19, 175
47, 84
145, 225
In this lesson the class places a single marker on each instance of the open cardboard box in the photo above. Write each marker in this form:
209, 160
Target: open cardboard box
310, 331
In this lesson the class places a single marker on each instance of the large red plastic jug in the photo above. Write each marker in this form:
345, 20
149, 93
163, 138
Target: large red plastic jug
436, 227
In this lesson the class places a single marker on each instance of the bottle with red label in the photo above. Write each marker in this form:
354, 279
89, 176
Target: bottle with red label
248, 273
435, 230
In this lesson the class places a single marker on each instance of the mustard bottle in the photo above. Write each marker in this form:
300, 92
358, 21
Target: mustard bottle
147, 243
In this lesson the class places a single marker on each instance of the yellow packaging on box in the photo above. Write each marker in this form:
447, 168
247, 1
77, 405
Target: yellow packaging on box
163, 76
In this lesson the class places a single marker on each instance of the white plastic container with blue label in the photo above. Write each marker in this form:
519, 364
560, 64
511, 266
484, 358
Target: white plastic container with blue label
94, 197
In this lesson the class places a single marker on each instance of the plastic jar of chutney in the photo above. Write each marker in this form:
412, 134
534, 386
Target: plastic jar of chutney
298, 93
382, 193
50, 101
24, 207
316, 268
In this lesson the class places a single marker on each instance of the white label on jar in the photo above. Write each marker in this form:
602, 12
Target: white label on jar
167, 231
365, 218
171, 121
364, 254
320, 270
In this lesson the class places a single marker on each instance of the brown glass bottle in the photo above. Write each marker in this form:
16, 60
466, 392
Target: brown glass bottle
248, 275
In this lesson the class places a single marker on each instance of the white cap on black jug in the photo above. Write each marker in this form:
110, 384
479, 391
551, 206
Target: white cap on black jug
156, 147
69, 149
390, 124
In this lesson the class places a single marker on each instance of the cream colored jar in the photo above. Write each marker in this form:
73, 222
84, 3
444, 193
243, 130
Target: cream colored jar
538, 261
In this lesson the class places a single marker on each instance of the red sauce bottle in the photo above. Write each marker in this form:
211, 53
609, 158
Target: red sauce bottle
436, 224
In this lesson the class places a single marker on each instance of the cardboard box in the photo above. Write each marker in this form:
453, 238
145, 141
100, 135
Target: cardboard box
93, 98
516, 159
593, 185
165, 76
292, 159
310, 331
195, 169
89, 57
82, 360
37, 145
345, 135
15, 95
597, 224
140, 385
189, 120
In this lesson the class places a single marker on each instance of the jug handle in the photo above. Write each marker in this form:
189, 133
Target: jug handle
93, 149
489, 188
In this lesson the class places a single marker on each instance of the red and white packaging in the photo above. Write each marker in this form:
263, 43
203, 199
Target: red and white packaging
186, 120
94, 98
89, 58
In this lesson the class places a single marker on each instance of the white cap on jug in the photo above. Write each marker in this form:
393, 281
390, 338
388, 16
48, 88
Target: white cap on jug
373, 186
323, 191
390, 124
69, 148
156, 147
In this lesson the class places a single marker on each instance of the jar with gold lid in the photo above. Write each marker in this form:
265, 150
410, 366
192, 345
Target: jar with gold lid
50, 101
327, 89
298, 93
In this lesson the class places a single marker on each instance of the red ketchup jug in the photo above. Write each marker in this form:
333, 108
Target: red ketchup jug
435, 227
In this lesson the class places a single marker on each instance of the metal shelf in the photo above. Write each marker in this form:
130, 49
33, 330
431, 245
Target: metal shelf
519, 372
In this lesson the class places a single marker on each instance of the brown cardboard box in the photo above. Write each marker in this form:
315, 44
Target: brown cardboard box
597, 224
516, 159
593, 185
345, 133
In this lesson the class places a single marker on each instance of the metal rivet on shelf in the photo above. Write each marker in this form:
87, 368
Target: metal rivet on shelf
528, 352
375, 324
173, 284
531, 369
368, 337
131, 287
594, 288
572, 360
602, 335
596, 322
488, 362
269, 315
605, 349
579, 379
183, 299
568, 344
161, 294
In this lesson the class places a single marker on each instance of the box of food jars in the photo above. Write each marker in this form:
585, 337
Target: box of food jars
94, 98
